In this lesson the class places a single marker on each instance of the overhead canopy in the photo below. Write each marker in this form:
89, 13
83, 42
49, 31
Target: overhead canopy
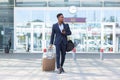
67, 3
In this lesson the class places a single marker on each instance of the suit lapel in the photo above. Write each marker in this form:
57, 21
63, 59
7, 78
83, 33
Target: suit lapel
58, 28
64, 26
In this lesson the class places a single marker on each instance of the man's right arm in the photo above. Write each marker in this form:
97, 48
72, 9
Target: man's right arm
52, 35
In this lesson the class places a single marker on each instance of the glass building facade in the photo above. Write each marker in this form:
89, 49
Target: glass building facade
29, 22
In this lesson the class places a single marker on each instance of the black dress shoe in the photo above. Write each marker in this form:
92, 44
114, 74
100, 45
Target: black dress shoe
59, 71
62, 70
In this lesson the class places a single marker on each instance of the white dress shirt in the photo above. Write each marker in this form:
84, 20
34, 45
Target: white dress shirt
61, 27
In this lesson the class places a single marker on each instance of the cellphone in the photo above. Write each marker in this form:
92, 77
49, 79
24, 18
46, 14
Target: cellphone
63, 30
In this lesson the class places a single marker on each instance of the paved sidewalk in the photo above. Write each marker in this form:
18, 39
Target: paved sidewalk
83, 69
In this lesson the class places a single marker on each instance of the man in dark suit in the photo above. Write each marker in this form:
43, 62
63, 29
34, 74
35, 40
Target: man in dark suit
60, 31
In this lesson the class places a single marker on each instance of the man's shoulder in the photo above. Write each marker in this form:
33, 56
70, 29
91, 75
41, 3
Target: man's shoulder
55, 24
66, 24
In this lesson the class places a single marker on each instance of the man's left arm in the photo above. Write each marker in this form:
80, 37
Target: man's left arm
68, 31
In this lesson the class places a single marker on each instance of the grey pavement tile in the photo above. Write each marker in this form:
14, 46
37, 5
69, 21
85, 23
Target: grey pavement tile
81, 69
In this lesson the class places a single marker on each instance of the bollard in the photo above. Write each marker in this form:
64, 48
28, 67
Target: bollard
44, 50
101, 54
74, 54
111, 49
44, 53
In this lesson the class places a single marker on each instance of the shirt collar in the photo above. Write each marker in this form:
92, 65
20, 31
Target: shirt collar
60, 24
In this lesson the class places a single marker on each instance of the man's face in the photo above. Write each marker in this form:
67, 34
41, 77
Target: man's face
61, 18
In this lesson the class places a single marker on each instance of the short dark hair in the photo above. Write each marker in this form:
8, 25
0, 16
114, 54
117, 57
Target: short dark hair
59, 14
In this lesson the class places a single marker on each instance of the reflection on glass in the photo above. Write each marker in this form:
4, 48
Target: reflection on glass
109, 17
91, 3
108, 38
37, 41
63, 3
80, 41
6, 23
37, 38
118, 43
31, 3
47, 37
85, 35
23, 41
118, 16
93, 37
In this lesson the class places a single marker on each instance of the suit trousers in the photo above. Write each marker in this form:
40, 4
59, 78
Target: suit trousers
60, 54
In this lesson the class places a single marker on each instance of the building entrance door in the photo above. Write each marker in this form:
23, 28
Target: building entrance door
29, 38
118, 44
37, 38
108, 37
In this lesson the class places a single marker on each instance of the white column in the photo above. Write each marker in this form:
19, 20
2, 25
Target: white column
117, 44
102, 35
14, 39
26, 37
43, 37
32, 37
114, 38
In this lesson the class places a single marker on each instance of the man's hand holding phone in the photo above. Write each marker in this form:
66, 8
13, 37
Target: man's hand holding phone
63, 31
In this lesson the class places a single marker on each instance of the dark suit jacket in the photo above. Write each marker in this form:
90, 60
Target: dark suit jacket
59, 37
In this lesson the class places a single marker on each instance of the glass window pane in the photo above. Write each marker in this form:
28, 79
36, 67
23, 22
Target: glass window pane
93, 15
93, 37
118, 15
31, 3
63, 3
7, 3
112, 3
6, 23
110, 16
28, 25
3, 1
108, 38
91, 4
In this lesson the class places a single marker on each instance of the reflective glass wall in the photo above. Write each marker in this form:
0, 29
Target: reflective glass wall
67, 3
32, 21
6, 22
87, 35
